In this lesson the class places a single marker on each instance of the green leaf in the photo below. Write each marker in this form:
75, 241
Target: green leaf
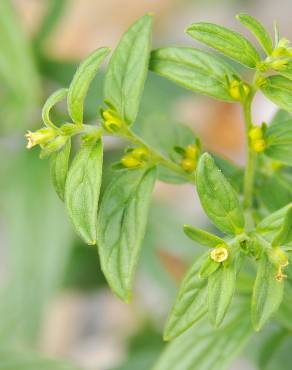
82, 190
59, 163
274, 192
280, 116
262, 35
203, 237
279, 142
52, 100
267, 293
270, 347
278, 90
121, 226
80, 84
208, 267
284, 236
202, 348
190, 303
271, 224
195, 70
221, 286
230, 43
218, 198
127, 70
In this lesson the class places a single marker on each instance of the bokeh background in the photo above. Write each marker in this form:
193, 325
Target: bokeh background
54, 299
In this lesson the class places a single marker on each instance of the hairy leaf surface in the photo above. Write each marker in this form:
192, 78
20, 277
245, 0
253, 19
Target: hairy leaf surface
80, 84
121, 226
218, 198
230, 43
194, 69
82, 190
127, 70
59, 163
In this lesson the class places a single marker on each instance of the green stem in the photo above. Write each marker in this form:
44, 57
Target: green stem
249, 174
159, 158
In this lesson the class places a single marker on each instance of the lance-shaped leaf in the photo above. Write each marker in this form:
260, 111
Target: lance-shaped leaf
278, 90
284, 236
221, 286
259, 31
267, 293
203, 237
230, 43
81, 81
127, 70
52, 100
82, 190
279, 142
270, 225
218, 198
121, 226
190, 304
59, 163
194, 69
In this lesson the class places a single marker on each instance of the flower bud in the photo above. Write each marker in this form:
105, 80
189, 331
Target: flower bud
258, 145
188, 164
140, 153
192, 151
129, 161
41, 136
255, 133
234, 90
112, 122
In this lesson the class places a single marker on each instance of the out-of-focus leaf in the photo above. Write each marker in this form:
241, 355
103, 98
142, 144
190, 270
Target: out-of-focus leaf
230, 43
275, 192
279, 142
284, 235
195, 70
202, 348
270, 347
38, 242
280, 354
54, 12
278, 90
271, 224
20, 85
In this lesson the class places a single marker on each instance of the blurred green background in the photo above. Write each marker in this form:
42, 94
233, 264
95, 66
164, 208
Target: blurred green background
54, 300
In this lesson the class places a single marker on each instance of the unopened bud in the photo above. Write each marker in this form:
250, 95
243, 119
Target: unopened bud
188, 164
140, 153
258, 145
129, 161
192, 151
255, 133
